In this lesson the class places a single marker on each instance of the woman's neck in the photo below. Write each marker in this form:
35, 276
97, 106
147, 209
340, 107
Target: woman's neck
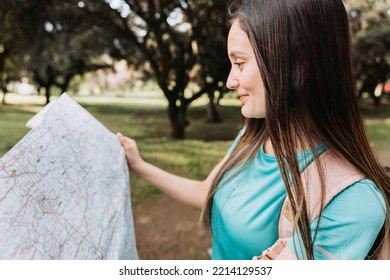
269, 149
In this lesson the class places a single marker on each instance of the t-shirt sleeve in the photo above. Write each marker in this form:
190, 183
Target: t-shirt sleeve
235, 142
349, 224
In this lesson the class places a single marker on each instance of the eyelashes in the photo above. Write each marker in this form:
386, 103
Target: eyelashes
238, 64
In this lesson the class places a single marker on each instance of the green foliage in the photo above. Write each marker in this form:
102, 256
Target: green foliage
367, 14
12, 40
53, 41
68, 43
370, 26
372, 54
182, 43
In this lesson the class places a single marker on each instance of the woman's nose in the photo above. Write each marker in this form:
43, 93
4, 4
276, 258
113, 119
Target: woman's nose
232, 81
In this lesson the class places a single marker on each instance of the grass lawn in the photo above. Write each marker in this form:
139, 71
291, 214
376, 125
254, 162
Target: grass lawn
145, 119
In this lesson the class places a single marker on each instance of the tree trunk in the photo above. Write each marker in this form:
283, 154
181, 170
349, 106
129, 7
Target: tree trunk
377, 94
3, 100
64, 86
47, 93
3, 85
212, 113
377, 100
178, 119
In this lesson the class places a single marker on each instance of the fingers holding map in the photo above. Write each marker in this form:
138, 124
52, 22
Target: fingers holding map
64, 190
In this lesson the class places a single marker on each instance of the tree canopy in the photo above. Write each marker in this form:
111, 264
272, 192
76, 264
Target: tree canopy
180, 43
370, 27
183, 41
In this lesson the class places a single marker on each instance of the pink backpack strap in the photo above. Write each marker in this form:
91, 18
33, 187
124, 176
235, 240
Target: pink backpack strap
279, 250
338, 175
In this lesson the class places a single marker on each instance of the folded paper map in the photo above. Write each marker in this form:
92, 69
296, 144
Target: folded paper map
64, 190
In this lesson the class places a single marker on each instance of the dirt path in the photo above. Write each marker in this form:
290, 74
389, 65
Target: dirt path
169, 230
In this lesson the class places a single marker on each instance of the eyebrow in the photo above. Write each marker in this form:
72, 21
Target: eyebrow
236, 53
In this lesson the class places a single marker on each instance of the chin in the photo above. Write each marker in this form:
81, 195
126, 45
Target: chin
252, 115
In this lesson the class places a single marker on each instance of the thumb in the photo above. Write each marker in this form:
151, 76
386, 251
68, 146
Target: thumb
119, 136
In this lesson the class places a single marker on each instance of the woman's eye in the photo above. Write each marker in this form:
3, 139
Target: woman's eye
238, 64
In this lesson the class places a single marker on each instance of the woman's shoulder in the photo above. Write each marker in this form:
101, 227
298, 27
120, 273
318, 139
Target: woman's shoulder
350, 222
361, 201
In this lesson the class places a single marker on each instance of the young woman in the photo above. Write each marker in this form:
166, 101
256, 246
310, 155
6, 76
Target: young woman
291, 68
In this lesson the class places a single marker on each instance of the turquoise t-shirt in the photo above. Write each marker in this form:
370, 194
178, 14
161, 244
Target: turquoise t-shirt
247, 204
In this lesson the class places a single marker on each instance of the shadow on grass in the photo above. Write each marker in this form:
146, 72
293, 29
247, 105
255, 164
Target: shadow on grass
369, 111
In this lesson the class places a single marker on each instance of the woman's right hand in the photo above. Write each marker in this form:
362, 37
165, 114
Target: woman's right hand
133, 156
187, 191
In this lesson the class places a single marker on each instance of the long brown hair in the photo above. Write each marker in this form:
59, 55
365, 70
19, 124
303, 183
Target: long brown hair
303, 51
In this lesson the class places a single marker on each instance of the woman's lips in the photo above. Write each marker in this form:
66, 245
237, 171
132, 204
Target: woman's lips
243, 97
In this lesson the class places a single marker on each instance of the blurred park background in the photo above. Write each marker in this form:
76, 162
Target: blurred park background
155, 70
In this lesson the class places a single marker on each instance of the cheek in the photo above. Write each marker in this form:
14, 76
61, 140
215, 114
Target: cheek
248, 81
257, 88
258, 101
253, 78
258, 84
259, 96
